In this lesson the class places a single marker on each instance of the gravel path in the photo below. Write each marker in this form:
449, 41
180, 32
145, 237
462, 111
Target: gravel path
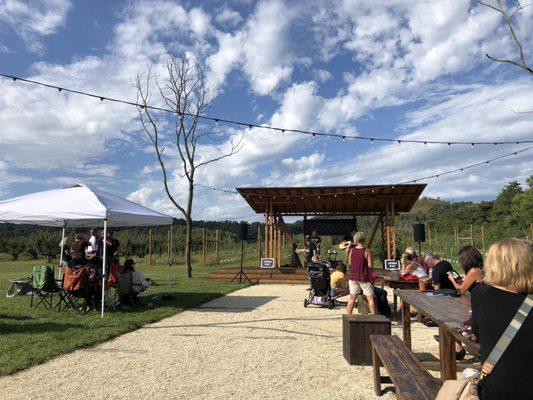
256, 343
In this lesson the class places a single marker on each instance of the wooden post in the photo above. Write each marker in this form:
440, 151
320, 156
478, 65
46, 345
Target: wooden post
429, 235
448, 366
456, 234
471, 235
259, 241
406, 324
216, 244
482, 240
150, 246
383, 244
204, 245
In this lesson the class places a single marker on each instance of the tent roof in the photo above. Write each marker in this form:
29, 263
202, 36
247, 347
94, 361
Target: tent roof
332, 200
78, 205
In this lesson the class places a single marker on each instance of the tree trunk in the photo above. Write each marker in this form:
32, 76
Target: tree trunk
188, 219
188, 243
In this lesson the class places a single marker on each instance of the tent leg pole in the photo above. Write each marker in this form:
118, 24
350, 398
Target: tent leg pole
62, 250
104, 267
170, 260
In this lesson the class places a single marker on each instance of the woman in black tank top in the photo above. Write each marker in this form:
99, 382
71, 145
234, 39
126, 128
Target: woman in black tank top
471, 261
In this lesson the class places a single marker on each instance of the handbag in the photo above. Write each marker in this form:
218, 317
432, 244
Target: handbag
467, 389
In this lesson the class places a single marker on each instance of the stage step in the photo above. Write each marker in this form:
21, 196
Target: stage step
263, 275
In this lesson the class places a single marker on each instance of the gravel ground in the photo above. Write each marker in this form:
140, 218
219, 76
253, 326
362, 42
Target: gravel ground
256, 343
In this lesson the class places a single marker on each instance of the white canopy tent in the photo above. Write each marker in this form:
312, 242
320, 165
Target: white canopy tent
79, 205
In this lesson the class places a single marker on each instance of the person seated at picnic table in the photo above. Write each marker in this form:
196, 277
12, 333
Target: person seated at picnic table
338, 281
439, 272
360, 278
420, 260
77, 250
410, 266
139, 282
471, 261
508, 280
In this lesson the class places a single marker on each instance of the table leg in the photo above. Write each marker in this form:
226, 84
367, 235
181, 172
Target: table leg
448, 366
406, 323
376, 363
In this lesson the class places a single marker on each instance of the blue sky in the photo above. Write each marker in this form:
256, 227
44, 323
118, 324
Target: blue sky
395, 68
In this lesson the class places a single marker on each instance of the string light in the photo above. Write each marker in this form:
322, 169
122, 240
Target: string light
393, 186
249, 125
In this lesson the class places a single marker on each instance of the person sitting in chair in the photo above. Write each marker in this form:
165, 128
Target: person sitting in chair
339, 283
295, 258
139, 282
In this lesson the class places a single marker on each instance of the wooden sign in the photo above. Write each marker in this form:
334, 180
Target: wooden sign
268, 263
392, 265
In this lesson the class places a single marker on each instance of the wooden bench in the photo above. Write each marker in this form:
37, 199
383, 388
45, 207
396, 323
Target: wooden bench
411, 380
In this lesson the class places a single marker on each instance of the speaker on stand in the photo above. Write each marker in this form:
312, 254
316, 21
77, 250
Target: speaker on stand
243, 237
419, 235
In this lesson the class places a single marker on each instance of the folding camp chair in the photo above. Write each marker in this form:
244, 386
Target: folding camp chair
124, 291
43, 285
74, 286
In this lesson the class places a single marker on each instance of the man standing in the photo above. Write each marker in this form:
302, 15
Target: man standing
311, 250
95, 241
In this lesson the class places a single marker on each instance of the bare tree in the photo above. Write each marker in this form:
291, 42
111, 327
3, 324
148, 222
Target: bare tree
507, 16
185, 92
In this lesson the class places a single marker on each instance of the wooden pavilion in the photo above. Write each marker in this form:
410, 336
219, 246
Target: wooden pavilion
384, 202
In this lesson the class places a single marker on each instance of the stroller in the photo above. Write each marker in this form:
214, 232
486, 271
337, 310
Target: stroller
319, 294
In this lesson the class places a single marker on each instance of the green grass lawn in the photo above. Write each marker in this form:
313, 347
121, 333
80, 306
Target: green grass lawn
30, 336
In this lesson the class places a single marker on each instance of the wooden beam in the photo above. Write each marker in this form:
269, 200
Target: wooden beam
374, 230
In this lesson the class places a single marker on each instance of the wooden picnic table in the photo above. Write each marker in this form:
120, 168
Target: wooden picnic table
446, 311
392, 280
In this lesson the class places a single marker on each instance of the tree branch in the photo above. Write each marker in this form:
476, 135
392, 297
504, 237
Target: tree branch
505, 15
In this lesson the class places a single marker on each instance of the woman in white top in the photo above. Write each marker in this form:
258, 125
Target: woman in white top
139, 282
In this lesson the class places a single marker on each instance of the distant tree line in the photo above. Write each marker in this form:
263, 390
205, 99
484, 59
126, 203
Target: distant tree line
510, 214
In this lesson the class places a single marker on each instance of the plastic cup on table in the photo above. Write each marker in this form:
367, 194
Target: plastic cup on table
422, 285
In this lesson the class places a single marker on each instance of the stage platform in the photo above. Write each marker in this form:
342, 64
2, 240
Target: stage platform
264, 275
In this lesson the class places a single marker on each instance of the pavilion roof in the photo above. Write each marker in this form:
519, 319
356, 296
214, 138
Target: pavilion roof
332, 200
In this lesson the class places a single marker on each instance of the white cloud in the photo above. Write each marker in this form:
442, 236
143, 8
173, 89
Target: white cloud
261, 48
228, 16
32, 19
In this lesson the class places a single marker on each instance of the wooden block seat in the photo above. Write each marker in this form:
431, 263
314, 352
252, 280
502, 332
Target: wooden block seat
411, 380
356, 331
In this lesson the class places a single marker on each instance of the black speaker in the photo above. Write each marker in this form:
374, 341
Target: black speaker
419, 232
243, 231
